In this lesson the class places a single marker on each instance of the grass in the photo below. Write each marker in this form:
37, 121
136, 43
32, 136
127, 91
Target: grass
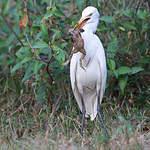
27, 125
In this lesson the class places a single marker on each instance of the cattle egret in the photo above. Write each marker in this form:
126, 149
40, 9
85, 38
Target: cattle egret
88, 84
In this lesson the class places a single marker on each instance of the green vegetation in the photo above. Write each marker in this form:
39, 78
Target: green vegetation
37, 107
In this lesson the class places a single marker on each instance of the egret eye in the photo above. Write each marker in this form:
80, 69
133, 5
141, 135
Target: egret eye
90, 14
81, 30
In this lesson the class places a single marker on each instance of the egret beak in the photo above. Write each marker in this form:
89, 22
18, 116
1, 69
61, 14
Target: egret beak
82, 22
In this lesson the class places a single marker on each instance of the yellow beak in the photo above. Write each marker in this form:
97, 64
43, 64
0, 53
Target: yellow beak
81, 22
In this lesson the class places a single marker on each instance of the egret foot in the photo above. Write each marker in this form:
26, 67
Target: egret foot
101, 118
83, 116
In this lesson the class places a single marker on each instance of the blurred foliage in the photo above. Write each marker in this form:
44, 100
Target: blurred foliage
34, 43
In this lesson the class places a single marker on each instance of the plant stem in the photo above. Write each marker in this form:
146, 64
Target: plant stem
112, 5
87, 1
10, 27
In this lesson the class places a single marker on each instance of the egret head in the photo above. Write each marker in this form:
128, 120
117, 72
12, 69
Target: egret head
89, 19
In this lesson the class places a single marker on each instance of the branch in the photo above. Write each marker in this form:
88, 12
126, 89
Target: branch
130, 3
57, 103
147, 5
33, 50
137, 6
41, 59
30, 44
112, 5
48, 71
10, 27
20, 107
3, 34
87, 1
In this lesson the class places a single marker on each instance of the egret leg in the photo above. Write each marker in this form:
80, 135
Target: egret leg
100, 115
83, 116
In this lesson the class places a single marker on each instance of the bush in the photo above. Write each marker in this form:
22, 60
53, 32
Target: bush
34, 43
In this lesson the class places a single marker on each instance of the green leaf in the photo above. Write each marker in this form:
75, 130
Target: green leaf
80, 3
56, 48
40, 44
123, 83
56, 34
128, 13
129, 127
141, 14
27, 76
121, 28
19, 65
19, 55
145, 27
3, 44
57, 12
22, 52
29, 72
112, 48
107, 19
136, 69
111, 64
37, 67
124, 70
64, 44
129, 25
44, 32
121, 118
118, 130
41, 92
46, 16
145, 60
60, 55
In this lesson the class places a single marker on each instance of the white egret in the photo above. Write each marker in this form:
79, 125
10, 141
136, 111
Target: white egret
88, 84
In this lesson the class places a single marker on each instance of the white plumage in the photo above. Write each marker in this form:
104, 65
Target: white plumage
88, 83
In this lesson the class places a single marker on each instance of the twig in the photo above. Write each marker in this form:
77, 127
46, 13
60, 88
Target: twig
33, 12
25, 4
137, 6
147, 5
19, 107
33, 50
47, 69
47, 61
20, 98
57, 103
112, 5
130, 3
30, 44
74, 6
3, 34
10, 27
87, 1
51, 47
